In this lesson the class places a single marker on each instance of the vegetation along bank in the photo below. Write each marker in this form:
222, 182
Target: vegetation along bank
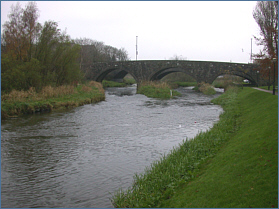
50, 98
234, 164
160, 90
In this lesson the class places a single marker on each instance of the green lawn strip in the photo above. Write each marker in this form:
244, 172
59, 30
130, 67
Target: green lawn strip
11, 109
185, 84
159, 93
245, 171
232, 165
112, 84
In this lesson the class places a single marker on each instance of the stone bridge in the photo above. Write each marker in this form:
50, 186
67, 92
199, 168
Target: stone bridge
150, 70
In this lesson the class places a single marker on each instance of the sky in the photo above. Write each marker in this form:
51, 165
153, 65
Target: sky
191, 30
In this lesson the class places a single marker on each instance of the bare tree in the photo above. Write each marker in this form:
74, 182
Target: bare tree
266, 16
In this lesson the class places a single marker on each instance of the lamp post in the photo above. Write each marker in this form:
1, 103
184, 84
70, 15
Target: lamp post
274, 61
136, 48
258, 78
269, 78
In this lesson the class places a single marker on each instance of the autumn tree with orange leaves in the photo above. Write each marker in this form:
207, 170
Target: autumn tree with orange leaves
266, 16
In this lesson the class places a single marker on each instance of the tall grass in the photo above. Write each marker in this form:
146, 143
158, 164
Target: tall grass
46, 93
27, 102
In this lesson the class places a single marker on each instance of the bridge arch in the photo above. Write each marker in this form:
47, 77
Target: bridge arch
121, 72
164, 72
236, 73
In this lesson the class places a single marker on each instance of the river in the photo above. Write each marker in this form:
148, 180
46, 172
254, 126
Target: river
78, 158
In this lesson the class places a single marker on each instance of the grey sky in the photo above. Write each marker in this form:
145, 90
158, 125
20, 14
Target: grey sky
196, 30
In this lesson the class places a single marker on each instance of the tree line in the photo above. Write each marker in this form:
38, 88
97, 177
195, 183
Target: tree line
38, 55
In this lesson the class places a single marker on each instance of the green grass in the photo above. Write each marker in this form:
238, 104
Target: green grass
112, 84
235, 164
129, 81
157, 90
266, 88
185, 84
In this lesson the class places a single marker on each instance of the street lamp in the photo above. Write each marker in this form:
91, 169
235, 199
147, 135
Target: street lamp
136, 48
274, 61
269, 78
258, 78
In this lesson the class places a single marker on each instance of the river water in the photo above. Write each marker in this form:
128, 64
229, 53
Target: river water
78, 158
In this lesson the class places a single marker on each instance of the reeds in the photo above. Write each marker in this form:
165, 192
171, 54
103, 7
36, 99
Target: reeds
49, 98
46, 93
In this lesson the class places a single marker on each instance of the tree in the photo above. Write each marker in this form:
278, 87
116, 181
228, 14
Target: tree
266, 16
31, 26
20, 32
58, 55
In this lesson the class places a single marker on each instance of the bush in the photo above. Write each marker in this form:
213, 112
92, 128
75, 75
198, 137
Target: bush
206, 88
157, 90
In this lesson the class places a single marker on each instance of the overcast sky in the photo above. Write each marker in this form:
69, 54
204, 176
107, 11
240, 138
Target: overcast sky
193, 30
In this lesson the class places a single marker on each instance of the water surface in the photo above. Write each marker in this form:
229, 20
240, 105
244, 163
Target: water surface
78, 158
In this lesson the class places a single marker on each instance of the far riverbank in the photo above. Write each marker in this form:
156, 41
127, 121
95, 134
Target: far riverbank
18, 103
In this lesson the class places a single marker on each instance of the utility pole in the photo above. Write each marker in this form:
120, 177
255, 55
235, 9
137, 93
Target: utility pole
136, 48
251, 51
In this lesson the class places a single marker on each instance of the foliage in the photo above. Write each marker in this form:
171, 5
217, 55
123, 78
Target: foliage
157, 90
233, 165
266, 16
129, 81
19, 34
35, 55
205, 88
96, 51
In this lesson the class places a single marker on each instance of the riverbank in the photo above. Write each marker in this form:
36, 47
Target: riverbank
234, 164
29, 102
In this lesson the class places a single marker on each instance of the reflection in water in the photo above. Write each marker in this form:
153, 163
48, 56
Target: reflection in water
79, 158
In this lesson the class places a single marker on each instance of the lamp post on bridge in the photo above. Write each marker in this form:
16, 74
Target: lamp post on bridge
136, 48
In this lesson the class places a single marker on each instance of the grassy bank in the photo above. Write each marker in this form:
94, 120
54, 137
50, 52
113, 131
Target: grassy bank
160, 90
235, 164
17, 103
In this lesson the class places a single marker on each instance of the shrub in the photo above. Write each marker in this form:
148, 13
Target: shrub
206, 88
157, 90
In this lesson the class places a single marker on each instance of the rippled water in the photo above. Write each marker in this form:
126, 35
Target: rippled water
79, 158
